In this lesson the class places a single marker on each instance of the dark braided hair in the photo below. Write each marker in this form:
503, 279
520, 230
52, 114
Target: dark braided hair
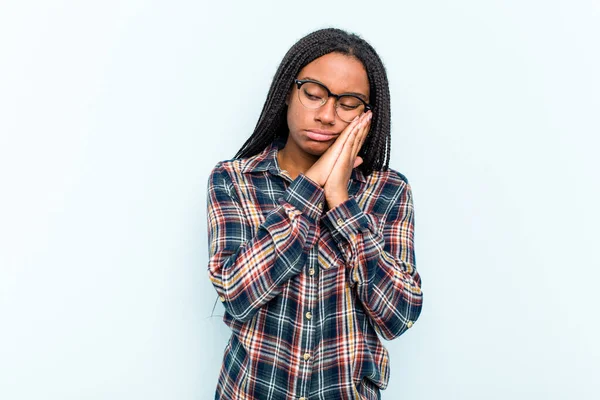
272, 123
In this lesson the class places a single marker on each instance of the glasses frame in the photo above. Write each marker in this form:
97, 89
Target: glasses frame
300, 82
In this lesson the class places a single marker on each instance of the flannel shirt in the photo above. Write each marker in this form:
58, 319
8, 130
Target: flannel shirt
306, 290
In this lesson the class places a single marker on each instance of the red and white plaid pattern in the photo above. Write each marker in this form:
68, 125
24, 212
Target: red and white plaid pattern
306, 290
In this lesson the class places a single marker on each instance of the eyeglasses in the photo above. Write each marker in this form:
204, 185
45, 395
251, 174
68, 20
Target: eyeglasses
314, 95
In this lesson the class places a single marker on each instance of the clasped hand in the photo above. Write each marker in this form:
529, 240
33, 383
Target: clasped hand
334, 168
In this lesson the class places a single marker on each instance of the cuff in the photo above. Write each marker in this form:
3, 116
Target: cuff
306, 196
346, 220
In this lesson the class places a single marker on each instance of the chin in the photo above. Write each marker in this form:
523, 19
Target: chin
316, 148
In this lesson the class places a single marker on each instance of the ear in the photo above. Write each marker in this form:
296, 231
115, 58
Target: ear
287, 98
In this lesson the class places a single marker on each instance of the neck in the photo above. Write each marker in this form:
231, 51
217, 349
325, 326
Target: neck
294, 160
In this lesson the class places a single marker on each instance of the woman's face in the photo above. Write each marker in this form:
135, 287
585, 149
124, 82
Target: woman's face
341, 74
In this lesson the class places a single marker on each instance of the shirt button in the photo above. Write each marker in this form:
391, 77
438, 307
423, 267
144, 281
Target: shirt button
306, 356
303, 398
409, 324
308, 315
311, 271
320, 205
222, 298
340, 222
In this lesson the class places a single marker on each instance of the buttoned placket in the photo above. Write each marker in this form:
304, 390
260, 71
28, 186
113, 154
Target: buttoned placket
309, 310
308, 340
308, 329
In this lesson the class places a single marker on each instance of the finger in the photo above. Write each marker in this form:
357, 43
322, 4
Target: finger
356, 141
366, 131
360, 136
352, 126
365, 128
339, 149
368, 127
363, 137
338, 146
348, 149
347, 156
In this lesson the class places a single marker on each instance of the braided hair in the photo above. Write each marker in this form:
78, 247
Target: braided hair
272, 123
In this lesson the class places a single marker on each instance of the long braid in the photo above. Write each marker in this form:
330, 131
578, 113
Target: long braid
272, 122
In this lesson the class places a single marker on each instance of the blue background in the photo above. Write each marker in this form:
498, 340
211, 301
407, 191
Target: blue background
113, 113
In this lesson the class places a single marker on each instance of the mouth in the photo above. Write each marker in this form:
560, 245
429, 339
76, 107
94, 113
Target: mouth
321, 136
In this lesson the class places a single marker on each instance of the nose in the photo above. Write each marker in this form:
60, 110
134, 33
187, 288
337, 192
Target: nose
326, 113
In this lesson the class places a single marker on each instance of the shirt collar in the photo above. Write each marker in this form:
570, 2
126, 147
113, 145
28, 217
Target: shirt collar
266, 160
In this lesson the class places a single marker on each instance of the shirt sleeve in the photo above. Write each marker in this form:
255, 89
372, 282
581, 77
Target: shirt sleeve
248, 270
380, 259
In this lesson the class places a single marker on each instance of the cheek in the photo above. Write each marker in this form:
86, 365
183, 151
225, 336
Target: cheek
296, 117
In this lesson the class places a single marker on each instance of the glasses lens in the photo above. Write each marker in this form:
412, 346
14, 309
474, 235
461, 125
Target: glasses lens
349, 107
312, 95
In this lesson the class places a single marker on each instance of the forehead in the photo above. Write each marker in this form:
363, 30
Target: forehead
340, 73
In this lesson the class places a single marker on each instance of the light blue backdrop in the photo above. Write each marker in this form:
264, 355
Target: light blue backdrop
112, 114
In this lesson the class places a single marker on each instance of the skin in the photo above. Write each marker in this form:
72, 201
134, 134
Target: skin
328, 164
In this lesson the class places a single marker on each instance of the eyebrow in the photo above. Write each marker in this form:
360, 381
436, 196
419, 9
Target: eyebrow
362, 96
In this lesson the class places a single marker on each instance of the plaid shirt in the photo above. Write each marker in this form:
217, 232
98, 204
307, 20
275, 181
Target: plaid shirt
306, 290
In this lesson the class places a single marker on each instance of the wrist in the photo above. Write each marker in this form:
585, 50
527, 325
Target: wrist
313, 178
335, 201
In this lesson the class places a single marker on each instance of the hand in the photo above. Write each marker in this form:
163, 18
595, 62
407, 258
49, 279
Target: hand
322, 168
336, 186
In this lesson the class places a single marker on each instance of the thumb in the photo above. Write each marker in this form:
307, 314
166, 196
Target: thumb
357, 161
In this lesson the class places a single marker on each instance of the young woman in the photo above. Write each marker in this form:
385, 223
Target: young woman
311, 233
